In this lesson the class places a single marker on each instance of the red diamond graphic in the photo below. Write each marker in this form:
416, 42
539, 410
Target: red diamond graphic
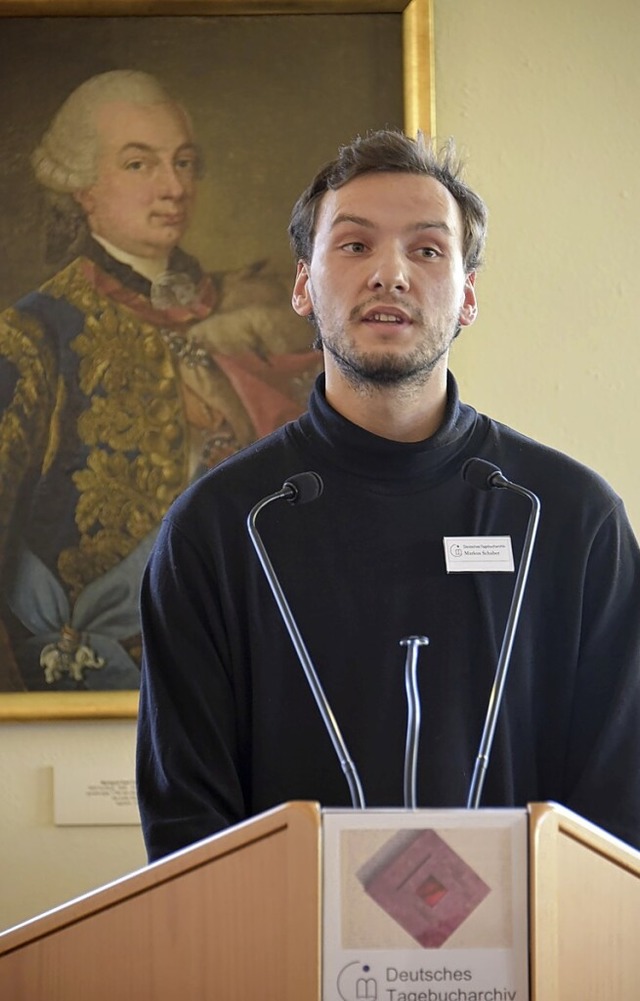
424, 885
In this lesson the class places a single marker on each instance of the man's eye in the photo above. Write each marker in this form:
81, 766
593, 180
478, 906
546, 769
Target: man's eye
136, 166
187, 164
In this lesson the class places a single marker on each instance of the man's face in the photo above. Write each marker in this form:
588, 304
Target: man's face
386, 283
146, 178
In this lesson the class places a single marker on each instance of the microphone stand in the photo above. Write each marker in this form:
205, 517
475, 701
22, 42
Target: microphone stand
496, 479
288, 492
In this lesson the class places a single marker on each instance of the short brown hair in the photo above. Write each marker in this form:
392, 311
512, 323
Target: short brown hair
391, 151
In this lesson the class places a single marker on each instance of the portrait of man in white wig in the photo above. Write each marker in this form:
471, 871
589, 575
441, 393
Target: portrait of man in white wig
125, 376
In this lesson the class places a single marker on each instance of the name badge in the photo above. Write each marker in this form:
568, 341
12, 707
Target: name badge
478, 553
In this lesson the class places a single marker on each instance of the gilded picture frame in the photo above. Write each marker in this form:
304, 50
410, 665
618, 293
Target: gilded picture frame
418, 112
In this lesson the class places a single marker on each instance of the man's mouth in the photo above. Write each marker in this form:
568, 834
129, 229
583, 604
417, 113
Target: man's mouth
176, 219
390, 315
384, 318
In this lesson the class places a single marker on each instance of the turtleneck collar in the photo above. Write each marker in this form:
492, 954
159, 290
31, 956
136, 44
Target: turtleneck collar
393, 463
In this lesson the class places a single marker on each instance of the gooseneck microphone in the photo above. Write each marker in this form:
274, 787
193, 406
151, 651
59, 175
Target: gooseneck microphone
485, 476
302, 488
413, 644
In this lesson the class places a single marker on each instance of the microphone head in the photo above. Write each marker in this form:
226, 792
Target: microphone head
482, 474
301, 488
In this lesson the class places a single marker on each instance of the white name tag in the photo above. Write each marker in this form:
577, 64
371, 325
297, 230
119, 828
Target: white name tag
466, 553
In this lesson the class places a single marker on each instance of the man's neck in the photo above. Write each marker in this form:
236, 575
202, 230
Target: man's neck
399, 413
149, 267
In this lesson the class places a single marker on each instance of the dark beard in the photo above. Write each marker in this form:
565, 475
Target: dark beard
381, 371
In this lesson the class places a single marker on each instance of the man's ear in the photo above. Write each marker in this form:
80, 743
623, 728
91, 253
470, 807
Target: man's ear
85, 200
469, 309
301, 296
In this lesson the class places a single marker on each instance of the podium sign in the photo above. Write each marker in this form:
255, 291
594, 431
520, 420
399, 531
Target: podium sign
425, 905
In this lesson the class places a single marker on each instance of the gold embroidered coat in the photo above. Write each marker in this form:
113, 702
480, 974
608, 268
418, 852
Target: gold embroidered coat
112, 402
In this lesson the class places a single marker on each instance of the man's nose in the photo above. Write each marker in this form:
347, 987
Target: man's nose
389, 272
170, 183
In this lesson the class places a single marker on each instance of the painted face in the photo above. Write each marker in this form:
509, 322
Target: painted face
146, 178
386, 283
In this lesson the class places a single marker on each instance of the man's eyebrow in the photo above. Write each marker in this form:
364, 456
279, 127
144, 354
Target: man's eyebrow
358, 220
146, 148
369, 224
443, 226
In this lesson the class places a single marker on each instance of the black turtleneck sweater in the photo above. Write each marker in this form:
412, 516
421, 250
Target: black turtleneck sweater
228, 726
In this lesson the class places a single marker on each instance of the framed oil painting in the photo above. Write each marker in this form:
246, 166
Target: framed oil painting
126, 373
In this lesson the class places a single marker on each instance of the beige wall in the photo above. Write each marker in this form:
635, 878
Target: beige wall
42, 865
544, 97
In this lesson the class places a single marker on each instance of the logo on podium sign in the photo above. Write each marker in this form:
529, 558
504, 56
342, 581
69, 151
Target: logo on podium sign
424, 885
356, 983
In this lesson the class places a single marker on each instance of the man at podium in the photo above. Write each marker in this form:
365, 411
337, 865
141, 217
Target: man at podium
388, 240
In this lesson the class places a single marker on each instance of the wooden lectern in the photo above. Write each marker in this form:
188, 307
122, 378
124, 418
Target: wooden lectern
237, 917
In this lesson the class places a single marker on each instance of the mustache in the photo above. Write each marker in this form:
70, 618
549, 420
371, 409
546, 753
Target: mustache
412, 311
